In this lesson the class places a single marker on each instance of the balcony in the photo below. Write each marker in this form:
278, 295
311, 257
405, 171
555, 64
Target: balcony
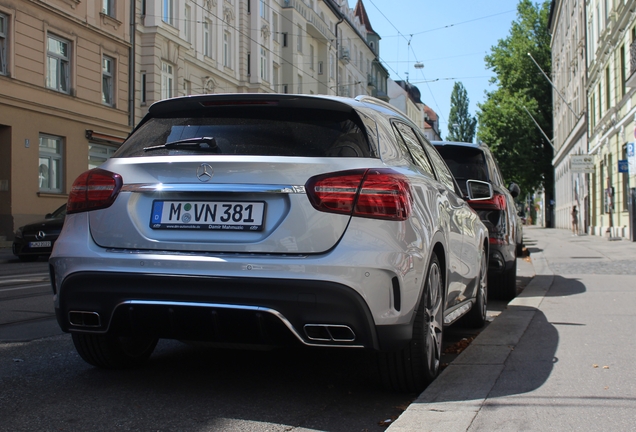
312, 17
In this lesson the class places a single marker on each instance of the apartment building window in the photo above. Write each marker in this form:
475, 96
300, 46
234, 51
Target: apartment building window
168, 11
249, 64
98, 154
58, 64
50, 163
300, 84
263, 64
227, 47
206, 38
332, 65
311, 57
623, 71
167, 80
3, 44
600, 102
593, 116
263, 9
187, 24
275, 84
108, 67
274, 27
608, 95
108, 7
299, 40
142, 90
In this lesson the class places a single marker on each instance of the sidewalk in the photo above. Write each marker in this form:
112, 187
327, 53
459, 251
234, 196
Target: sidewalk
544, 363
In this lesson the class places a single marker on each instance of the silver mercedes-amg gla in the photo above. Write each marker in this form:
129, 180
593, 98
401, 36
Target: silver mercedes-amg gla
268, 220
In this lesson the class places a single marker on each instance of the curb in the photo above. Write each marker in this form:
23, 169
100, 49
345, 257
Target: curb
454, 399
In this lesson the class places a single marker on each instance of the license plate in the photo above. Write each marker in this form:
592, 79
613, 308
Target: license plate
40, 244
208, 215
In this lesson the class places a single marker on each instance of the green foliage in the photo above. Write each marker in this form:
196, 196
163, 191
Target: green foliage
522, 151
461, 124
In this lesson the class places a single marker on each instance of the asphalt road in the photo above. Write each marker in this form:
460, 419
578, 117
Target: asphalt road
45, 385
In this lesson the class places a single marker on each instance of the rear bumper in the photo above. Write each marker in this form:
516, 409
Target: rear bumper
258, 311
501, 257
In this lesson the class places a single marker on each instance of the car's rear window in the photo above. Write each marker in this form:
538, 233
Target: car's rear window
466, 163
252, 131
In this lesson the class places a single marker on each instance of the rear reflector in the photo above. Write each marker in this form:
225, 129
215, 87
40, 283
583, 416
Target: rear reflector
373, 193
93, 190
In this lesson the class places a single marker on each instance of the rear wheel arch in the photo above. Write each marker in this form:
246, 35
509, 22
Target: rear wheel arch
440, 251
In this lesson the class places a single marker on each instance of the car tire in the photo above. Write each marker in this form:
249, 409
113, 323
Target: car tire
28, 258
113, 352
476, 317
412, 368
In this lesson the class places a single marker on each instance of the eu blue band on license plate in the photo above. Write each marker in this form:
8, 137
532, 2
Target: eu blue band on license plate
208, 215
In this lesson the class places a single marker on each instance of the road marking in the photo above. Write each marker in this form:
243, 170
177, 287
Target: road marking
25, 287
36, 277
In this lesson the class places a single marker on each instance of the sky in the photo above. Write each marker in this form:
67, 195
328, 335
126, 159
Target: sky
449, 37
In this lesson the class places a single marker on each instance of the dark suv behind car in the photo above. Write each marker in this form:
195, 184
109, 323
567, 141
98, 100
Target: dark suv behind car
469, 161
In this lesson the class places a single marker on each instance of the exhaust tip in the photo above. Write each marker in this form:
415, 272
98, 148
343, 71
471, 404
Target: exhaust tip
84, 319
329, 333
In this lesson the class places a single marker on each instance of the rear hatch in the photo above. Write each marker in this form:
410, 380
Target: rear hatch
469, 163
228, 174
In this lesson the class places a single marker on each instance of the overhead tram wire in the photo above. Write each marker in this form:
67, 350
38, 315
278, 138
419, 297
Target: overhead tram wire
415, 55
450, 25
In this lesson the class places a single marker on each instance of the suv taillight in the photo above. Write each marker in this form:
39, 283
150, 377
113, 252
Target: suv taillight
373, 193
497, 202
93, 190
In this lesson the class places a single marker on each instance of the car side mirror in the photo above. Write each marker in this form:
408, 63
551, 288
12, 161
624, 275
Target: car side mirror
478, 190
514, 190
48, 216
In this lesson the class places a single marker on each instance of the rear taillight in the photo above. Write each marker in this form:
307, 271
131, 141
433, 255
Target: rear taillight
373, 193
93, 190
497, 202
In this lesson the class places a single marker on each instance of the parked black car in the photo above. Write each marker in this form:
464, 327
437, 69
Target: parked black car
469, 161
37, 239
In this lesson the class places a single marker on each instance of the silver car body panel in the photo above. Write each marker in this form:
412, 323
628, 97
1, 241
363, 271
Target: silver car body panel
297, 241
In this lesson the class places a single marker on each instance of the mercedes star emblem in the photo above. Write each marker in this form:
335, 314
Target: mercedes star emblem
40, 235
205, 172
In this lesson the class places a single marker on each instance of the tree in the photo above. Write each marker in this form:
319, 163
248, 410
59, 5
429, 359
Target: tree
523, 153
461, 124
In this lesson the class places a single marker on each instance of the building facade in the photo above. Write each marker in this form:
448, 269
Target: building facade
569, 72
611, 100
77, 75
64, 99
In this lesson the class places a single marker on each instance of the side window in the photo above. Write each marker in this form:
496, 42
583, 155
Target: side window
495, 174
421, 160
392, 148
404, 149
443, 173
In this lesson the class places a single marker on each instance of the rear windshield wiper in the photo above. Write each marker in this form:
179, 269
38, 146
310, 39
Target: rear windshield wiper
199, 143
